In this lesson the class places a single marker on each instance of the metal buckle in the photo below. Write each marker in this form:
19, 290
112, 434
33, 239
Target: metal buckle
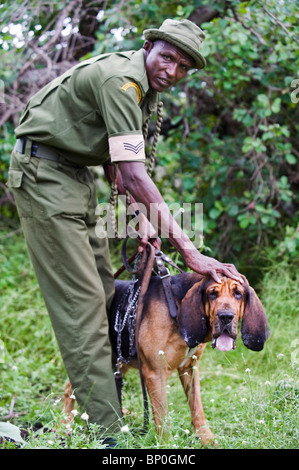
165, 275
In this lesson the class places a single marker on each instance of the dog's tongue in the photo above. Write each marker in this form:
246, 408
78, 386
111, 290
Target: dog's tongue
224, 342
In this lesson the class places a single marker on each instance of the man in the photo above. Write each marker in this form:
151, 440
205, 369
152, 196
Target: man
93, 115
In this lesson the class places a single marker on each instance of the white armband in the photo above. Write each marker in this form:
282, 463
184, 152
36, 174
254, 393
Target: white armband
126, 147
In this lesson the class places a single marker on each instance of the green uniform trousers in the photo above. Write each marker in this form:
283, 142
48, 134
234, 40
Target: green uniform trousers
56, 203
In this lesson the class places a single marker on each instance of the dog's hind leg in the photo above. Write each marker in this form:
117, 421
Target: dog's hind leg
68, 401
156, 387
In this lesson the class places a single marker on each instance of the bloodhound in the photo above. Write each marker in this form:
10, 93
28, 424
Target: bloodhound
206, 311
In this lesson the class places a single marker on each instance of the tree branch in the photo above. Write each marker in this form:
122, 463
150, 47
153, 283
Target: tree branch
238, 19
279, 23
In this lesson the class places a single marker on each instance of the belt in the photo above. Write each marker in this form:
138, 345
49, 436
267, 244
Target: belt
37, 150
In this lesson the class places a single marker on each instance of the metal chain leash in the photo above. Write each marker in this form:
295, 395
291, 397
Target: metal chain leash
131, 300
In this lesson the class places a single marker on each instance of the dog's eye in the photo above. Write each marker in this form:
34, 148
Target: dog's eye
237, 294
213, 295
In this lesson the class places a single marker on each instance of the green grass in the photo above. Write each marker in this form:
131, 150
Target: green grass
250, 398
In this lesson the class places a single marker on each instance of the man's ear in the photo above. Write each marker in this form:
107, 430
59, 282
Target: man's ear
148, 45
192, 320
255, 328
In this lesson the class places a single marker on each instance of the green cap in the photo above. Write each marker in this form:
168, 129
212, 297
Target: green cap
183, 34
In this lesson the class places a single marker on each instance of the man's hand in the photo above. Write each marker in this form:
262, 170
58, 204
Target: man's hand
147, 233
210, 266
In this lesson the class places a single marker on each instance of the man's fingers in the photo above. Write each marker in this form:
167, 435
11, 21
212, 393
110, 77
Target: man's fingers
214, 275
232, 272
142, 244
156, 242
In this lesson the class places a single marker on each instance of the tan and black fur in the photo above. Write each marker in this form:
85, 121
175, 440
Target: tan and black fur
206, 311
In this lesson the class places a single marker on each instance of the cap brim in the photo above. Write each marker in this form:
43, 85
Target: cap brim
154, 34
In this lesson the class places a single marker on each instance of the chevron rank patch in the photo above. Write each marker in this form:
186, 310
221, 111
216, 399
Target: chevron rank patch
133, 85
127, 148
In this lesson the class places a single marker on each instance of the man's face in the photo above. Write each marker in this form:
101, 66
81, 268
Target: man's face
165, 64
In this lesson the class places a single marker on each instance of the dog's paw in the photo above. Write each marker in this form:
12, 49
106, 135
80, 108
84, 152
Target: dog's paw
206, 437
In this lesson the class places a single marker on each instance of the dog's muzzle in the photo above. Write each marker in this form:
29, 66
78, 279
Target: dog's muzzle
224, 342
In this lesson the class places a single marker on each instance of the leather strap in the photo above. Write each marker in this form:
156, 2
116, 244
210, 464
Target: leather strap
166, 281
123, 267
127, 262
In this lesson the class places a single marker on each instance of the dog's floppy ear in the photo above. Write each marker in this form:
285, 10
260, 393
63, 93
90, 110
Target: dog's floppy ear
192, 320
255, 329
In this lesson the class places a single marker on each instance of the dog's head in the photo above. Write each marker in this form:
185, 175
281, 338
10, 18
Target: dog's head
211, 312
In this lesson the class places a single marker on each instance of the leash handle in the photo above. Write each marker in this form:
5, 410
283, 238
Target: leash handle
160, 258
127, 262
123, 267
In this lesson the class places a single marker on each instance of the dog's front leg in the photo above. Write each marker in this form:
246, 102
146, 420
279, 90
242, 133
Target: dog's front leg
189, 377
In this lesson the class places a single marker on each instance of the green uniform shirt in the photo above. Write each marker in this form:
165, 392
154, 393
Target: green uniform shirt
94, 111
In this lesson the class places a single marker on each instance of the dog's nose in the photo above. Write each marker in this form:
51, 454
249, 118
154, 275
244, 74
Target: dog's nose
225, 317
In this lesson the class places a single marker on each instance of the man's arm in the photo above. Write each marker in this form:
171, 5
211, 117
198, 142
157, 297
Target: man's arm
145, 229
135, 179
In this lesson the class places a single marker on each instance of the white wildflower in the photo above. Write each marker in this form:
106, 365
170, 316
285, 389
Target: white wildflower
161, 353
85, 416
125, 429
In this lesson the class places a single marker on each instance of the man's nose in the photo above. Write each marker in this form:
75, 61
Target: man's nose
171, 70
